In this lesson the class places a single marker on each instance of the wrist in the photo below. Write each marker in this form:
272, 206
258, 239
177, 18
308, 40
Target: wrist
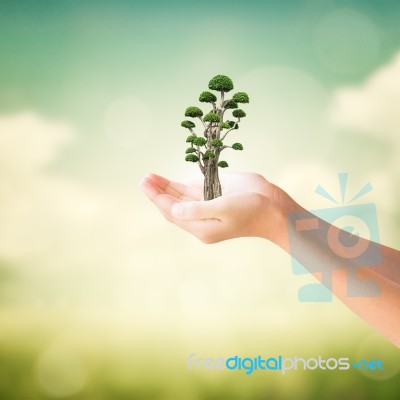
281, 204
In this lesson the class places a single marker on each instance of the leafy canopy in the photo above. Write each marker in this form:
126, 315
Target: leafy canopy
217, 143
230, 104
192, 158
237, 146
190, 138
207, 97
212, 142
225, 125
238, 113
188, 124
211, 117
209, 154
240, 97
221, 83
199, 141
193, 112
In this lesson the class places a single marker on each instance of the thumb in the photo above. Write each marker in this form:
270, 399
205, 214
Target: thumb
195, 210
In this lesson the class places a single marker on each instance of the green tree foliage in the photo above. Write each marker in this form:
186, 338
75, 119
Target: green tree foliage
211, 117
221, 83
237, 146
217, 143
207, 97
209, 154
192, 158
239, 113
188, 124
225, 125
230, 104
193, 112
207, 144
190, 139
200, 141
240, 97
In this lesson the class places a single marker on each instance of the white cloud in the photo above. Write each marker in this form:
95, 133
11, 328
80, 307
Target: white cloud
30, 142
300, 181
46, 217
31, 200
60, 230
372, 107
287, 121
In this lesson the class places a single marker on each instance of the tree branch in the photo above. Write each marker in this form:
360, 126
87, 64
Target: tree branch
223, 137
199, 152
201, 166
201, 119
207, 131
224, 147
221, 116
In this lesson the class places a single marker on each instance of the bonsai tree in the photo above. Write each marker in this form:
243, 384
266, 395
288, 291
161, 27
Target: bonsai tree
205, 149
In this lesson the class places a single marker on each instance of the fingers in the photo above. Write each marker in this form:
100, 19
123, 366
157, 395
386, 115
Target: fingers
174, 208
162, 200
198, 210
176, 189
148, 187
208, 231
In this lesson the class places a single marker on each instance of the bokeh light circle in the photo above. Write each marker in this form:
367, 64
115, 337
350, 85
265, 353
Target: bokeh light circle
346, 42
128, 121
60, 372
287, 123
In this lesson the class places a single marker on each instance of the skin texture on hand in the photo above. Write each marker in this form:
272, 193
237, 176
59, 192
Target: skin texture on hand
249, 206
252, 206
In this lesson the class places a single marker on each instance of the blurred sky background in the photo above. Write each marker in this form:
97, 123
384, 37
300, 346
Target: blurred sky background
101, 298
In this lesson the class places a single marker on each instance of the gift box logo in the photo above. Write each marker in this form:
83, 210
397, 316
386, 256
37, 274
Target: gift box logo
317, 246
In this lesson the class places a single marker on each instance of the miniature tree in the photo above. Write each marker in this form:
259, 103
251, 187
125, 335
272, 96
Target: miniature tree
205, 150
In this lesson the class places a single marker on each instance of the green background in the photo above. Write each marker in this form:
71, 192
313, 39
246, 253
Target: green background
100, 298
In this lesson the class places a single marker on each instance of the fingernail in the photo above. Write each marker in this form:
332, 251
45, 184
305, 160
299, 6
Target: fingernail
144, 181
146, 186
177, 210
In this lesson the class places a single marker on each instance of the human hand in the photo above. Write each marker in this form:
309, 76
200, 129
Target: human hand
249, 206
252, 206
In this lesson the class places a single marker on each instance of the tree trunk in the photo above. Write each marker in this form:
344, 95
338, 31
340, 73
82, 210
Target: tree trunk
212, 185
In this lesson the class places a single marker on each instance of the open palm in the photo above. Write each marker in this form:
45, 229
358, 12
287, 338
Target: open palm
248, 206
